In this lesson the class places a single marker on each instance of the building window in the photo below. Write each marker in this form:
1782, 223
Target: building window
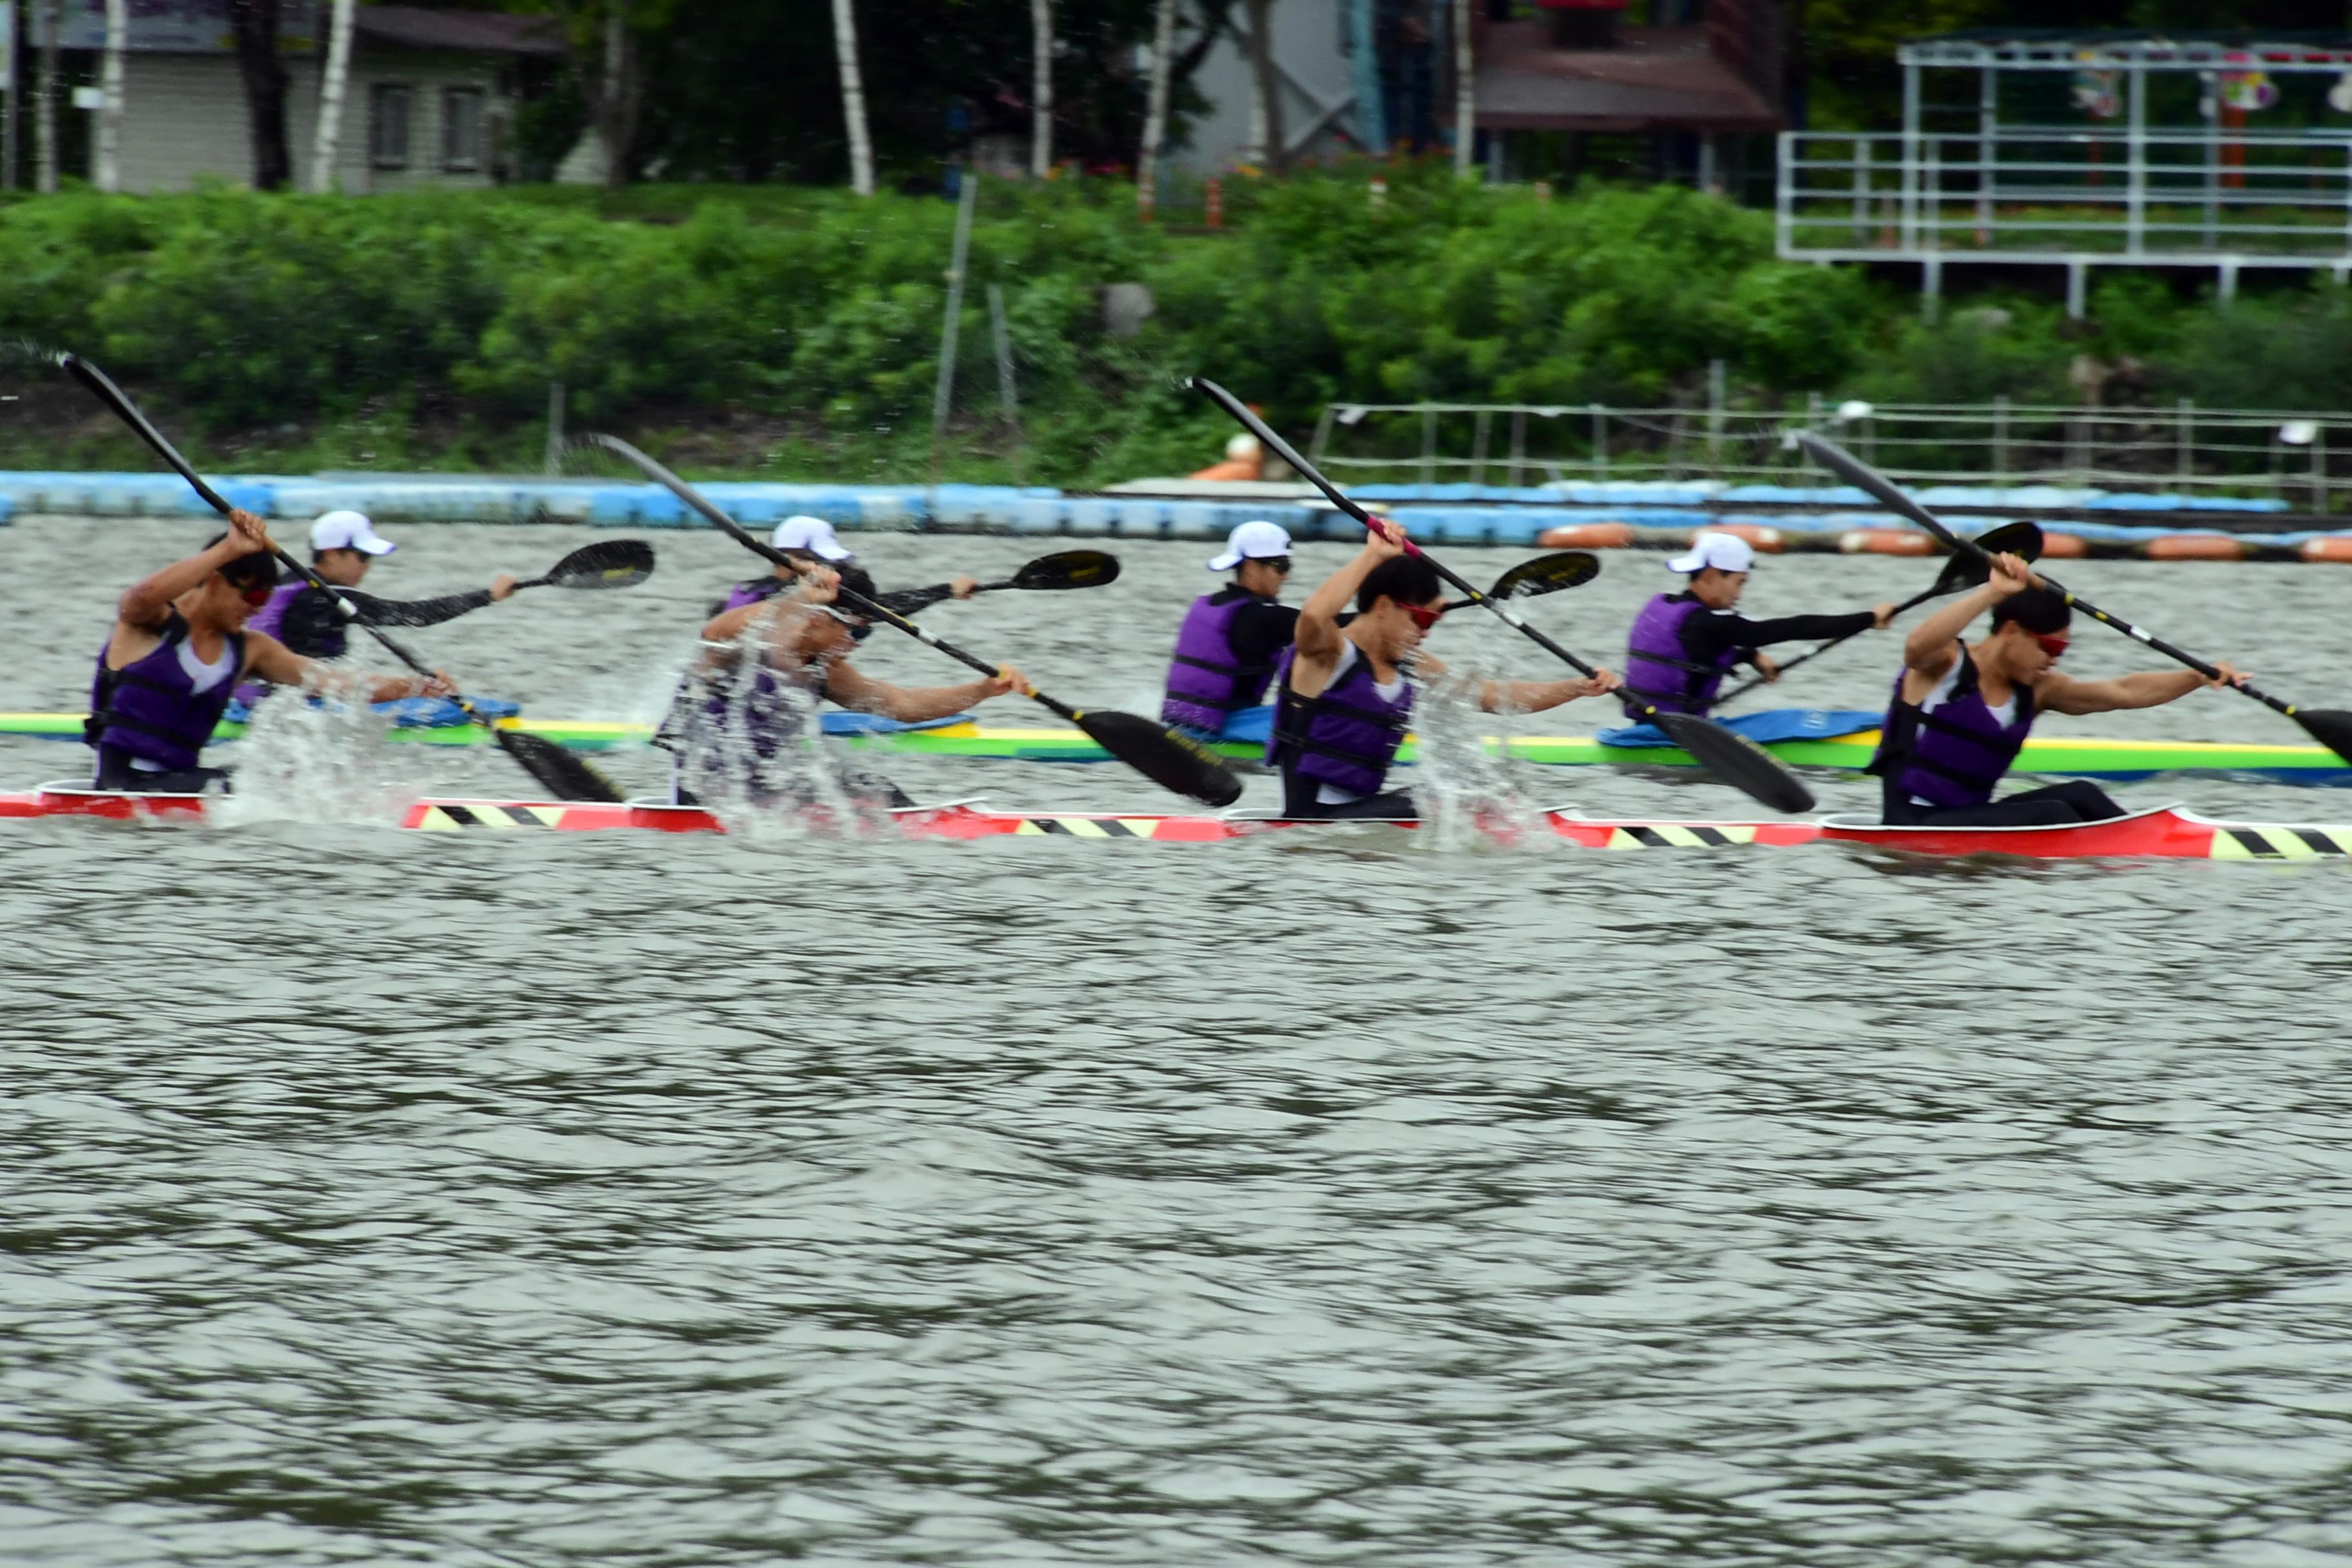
388, 108
461, 129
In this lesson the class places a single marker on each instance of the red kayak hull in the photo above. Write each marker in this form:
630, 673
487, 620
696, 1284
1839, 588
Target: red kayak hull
2162, 833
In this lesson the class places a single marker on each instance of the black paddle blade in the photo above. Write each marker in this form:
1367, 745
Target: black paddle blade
2331, 727
608, 563
1547, 574
1965, 571
1069, 569
561, 775
1173, 762
1737, 761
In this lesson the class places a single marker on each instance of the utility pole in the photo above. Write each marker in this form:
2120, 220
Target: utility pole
951, 328
108, 174
853, 98
45, 117
1041, 92
1155, 113
12, 83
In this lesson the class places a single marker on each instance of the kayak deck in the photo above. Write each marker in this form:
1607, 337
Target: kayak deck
2087, 757
2159, 832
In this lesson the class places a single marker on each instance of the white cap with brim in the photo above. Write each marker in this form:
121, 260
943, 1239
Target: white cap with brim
348, 530
1724, 552
1252, 542
811, 534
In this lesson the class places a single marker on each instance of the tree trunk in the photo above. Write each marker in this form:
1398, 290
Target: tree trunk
853, 99
1155, 113
45, 117
107, 172
327, 150
617, 98
1465, 90
253, 24
1041, 92
15, 99
1269, 85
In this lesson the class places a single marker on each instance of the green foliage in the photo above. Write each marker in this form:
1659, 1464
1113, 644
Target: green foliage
427, 327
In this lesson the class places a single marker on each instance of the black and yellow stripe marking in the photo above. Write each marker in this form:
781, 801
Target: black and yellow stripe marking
454, 818
1088, 827
2281, 843
1679, 836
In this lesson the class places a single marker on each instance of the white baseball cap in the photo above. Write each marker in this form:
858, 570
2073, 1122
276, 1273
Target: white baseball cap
349, 530
1252, 542
1724, 552
812, 534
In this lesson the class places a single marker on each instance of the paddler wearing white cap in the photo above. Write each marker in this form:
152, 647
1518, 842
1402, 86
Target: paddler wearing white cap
344, 545
1230, 640
811, 539
1684, 644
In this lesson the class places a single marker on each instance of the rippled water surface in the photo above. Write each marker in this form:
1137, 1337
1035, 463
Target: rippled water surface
1337, 1197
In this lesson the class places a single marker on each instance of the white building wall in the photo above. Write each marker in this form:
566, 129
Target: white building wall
185, 121
1310, 45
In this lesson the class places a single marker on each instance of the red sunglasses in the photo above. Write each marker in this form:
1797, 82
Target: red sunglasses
2055, 647
1425, 616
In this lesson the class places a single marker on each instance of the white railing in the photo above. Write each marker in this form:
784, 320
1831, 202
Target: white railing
2054, 194
2180, 448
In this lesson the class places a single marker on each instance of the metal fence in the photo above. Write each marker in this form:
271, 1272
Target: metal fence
2303, 458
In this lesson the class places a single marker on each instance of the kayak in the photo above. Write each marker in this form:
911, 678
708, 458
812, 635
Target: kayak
2087, 757
2165, 832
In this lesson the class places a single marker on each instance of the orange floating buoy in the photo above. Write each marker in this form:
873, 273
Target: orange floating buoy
1587, 536
2057, 546
1885, 542
2334, 547
1763, 540
2195, 547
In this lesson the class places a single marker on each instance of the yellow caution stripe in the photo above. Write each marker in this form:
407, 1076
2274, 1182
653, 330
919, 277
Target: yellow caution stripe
1680, 835
2281, 843
456, 818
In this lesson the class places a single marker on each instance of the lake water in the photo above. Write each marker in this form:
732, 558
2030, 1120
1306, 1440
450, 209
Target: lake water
1339, 1197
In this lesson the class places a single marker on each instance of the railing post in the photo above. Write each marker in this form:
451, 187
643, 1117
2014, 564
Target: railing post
2135, 161
2184, 438
1478, 445
2000, 439
1600, 444
1860, 190
1518, 444
1715, 418
1428, 445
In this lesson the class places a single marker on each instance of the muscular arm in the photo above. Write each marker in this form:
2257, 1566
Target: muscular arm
271, 660
907, 704
1318, 632
2149, 688
412, 612
147, 604
1521, 696
1704, 636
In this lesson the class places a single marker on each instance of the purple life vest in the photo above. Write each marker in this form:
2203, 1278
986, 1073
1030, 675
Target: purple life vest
1953, 757
758, 591
1346, 737
1660, 670
151, 708
1206, 682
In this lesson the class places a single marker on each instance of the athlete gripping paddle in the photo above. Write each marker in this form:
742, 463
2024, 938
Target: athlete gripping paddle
1962, 710
1342, 701
177, 651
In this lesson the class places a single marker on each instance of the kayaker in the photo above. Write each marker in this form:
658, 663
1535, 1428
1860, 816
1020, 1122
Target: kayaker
728, 724
1961, 710
1684, 644
344, 545
180, 644
1230, 639
1342, 698
810, 541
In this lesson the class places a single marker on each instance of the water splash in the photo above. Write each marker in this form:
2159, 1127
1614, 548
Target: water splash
1470, 797
750, 745
321, 761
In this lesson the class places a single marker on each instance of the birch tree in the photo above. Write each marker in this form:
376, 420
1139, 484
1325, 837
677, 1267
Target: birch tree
1041, 92
326, 148
44, 114
1465, 90
108, 174
853, 99
1155, 112
1269, 85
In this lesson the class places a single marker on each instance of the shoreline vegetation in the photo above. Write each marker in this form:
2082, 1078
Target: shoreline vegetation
788, 332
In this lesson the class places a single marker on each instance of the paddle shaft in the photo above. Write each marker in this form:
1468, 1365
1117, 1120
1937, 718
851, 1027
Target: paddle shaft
859, 602
1848, 468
